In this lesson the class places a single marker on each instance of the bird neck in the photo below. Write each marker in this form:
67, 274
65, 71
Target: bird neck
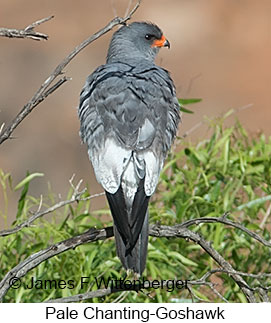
121, 50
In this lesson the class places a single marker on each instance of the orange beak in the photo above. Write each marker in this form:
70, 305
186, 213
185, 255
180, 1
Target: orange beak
162, 42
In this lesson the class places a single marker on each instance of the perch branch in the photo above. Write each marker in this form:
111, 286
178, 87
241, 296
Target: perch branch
27, 32
94, 234
47, 86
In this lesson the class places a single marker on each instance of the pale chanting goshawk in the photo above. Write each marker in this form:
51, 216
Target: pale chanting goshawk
129, 116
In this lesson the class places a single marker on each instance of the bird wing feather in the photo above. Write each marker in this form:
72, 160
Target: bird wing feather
128, 111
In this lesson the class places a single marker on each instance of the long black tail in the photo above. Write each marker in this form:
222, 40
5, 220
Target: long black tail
131, 228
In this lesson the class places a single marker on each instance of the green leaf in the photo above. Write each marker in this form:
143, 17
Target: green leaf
27, 180
181, 258
183, 102
185, 110
254, 202
189, 101
21, 202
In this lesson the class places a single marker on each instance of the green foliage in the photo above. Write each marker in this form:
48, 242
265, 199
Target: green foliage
183, 102
230, 172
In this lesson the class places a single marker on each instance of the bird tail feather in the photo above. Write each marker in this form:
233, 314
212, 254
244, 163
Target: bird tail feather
131, 227
134, 258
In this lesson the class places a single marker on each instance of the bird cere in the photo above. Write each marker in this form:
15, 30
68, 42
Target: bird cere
129, 115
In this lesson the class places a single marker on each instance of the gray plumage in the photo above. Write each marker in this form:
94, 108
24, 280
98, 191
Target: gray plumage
129, 116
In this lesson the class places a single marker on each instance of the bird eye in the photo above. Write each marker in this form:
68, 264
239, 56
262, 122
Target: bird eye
149, 36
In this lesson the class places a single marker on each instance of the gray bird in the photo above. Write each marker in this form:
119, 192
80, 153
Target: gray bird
129, 116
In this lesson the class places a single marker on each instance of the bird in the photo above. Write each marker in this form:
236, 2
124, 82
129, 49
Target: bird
129, 116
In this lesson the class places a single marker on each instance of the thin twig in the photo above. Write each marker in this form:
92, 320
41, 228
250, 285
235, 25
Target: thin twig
128, 7
47, 86
227, 222
37, 23
200, 123
191, 82
268, 211
115, 13
2, 127
192, 129
220, 270
27, 32
77, 196
81, 297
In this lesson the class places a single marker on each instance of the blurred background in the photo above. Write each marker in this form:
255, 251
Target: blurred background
220, 52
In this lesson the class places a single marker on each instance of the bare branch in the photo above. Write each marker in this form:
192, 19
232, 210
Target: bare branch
77, 196
178, 231
37, 23
81, 297
28, 32
227, 222
94, 234
47, 87
35, 259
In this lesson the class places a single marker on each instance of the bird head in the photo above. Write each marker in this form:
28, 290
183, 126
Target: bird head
136, 41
